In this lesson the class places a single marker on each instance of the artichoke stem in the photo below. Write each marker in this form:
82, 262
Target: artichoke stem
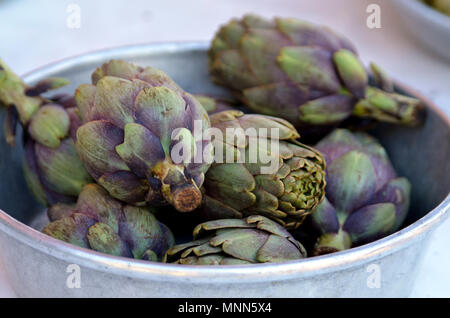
176, 189
390, 107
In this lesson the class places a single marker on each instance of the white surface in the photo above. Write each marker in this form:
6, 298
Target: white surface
34, 33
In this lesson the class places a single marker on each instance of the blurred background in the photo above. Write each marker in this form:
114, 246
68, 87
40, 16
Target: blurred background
400, 35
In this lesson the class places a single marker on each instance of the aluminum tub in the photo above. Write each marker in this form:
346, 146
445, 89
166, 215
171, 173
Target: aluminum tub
40, 266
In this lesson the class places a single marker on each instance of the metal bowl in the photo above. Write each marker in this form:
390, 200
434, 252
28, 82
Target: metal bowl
428, 25
38, 265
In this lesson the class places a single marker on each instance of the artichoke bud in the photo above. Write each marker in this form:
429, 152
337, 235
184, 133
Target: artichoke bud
52, 167
273, 174
140, 127
255, 239
297, 71
365, 200
101, 223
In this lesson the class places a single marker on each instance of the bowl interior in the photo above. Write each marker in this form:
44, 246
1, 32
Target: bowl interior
420, 154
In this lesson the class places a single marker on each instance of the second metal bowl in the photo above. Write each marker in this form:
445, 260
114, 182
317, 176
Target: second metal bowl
40, 266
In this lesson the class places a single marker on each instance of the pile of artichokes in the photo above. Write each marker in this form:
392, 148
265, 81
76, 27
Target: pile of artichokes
131, 147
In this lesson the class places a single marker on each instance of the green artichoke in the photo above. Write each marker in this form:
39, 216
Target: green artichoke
103, 224
365, 200
137, 122
304, 73
287, 192
53, 169
255, 239
440, 5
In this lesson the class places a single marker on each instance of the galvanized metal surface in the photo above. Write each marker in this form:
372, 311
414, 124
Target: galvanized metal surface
37, 265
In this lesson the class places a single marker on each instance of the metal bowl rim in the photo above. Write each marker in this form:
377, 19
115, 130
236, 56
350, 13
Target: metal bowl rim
214, 274
426, 12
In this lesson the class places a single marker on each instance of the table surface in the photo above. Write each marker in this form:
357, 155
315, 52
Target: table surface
35, 33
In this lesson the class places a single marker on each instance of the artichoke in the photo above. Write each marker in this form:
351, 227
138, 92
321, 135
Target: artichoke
101, 223
138, 139
255, 239
365, 200
53, 169
286, 186
304, 73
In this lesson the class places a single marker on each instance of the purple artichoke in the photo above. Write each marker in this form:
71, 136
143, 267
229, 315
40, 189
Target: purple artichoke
103, 224
365, 200
53, 169
255, 239
304, 73
135, 120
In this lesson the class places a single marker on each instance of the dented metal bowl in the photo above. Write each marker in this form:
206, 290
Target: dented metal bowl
40, 266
